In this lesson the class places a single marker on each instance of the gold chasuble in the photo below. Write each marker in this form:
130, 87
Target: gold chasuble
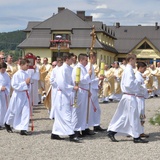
117, 81
96, 69
148, 78
43, 73
11, 69
48, 87
108, 83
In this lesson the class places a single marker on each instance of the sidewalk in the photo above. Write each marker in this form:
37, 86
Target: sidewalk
39, 146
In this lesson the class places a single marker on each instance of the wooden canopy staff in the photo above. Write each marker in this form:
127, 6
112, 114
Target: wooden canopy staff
93, 34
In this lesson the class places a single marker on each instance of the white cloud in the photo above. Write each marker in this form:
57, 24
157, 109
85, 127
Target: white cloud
15, 14
96, 15
111, 16
101, 6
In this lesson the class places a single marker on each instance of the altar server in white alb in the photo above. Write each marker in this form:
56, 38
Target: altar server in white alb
35, 76
54, 85
18, 113
141, 95
63, 124
126, 118
94, 110
82, 95
4, 92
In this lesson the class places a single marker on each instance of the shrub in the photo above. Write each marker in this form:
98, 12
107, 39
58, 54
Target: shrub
155, 120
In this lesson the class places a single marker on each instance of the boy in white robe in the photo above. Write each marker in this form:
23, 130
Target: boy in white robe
4, 92
18, 113
141, 95
54, 85
34, 75
126, 118
63, 124
94, 107
82, 94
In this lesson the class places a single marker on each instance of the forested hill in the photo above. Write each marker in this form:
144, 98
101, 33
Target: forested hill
10, 40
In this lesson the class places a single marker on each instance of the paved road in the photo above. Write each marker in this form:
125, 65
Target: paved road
39, 146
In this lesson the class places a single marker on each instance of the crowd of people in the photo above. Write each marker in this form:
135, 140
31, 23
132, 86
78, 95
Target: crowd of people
111, 90
73, 102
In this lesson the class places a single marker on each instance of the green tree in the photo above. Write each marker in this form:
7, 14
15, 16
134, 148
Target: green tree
9, 42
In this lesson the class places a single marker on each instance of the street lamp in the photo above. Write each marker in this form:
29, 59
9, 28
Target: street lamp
58, 38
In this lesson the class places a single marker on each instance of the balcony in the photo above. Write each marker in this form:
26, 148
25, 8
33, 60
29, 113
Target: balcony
62, 44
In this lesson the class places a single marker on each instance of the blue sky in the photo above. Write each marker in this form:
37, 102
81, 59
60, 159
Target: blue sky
15, 14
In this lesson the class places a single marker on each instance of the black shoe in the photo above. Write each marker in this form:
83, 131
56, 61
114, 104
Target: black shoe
99, 129
25, 133
75, 139
88, 132
79, 135
39, 102
111, 136
139, 140
105, 102
57, 137
156, 95
8, 128
110, 99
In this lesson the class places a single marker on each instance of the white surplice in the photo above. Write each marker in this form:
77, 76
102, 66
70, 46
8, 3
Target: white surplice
4, 95
82, 97
53, 90
63, 124
126, 118
18, 113
35, 76
94, 107
140, 97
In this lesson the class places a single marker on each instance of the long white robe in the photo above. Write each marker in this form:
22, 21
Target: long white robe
82, 97
126, 118
140, 97
94, 107
4, 95
63, 124
18, 113
35, 76
53, 90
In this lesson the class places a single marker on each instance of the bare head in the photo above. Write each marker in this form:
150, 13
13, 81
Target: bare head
83, 59
131, 59
54, 63
9, 59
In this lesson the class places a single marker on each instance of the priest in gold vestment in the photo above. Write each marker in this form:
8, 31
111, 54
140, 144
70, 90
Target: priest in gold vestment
11, 67
117, 71
108, 84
